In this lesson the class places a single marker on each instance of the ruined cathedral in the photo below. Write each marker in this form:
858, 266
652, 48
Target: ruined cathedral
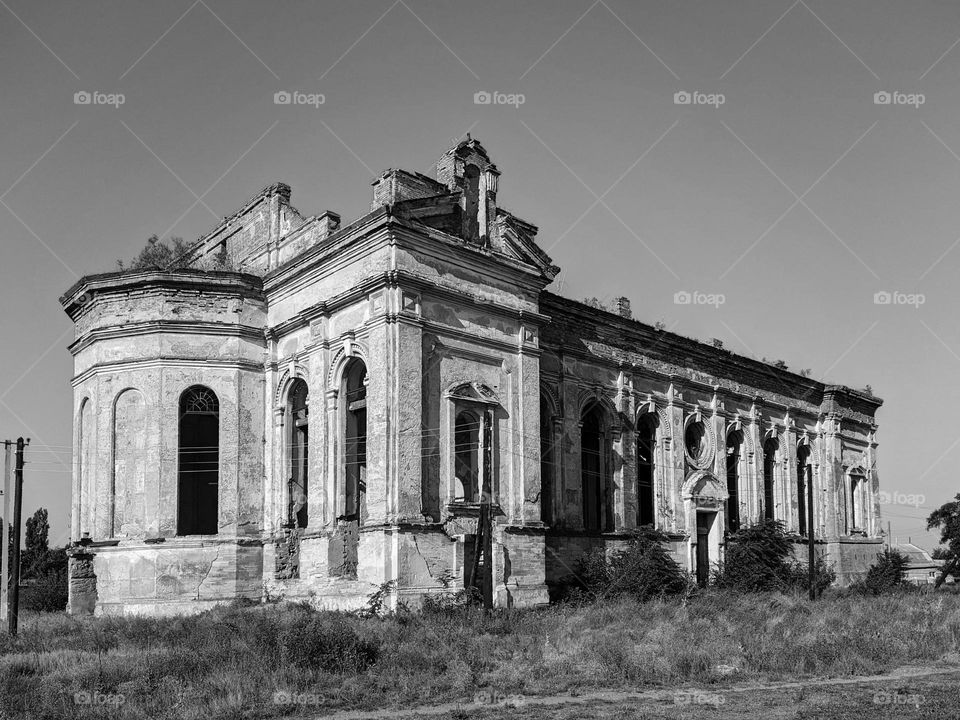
303, 408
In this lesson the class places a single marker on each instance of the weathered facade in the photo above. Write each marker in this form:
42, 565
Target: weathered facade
328, 415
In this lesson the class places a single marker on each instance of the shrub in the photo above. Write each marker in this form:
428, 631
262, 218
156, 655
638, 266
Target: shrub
48, 592
887, 573
643, 570
756, 558
759, 558
797, 575
327, 641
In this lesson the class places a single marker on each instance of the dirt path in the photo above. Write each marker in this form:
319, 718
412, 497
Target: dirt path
659, 696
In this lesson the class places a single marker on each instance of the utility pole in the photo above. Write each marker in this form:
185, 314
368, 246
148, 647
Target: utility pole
811, 551
5, 540
15, 563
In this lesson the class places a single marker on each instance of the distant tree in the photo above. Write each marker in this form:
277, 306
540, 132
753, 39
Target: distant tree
947, 519
780, 365
594, 303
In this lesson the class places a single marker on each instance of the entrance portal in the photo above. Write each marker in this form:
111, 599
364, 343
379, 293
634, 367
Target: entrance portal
705, 522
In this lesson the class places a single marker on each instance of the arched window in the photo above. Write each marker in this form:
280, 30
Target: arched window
547, 460
734, 453
769, 462
297, 437
646, 445
466, 452
858, 505
804, 478
199, 462
354, 393
593, 467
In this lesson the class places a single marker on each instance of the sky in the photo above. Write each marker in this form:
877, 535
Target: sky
786, 190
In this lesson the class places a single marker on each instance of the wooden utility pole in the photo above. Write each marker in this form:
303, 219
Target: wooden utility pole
15, 562
5, 540
811, 550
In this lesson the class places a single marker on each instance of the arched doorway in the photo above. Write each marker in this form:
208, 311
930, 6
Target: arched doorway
705, 498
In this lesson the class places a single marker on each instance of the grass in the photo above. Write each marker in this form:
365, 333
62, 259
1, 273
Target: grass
247, 662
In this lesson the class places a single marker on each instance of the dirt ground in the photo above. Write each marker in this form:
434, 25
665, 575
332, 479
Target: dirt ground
911, 692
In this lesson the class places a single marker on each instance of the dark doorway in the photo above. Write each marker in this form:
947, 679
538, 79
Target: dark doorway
704, 524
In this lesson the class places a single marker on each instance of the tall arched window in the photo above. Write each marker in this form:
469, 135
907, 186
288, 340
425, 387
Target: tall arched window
199, 462
646, 445
769, 462
354, 393
858, 504
466, 452
593, 466
804, 478
297, 437
734, 453
547, 460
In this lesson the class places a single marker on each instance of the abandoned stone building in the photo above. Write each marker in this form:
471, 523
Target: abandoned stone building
308, 409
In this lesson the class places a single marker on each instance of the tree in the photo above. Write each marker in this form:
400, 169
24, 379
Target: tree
36, 543
157, 253
947, 519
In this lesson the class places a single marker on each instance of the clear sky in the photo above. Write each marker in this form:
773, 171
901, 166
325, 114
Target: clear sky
798, 198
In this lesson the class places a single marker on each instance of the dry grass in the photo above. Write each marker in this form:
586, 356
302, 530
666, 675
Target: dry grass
231, 662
